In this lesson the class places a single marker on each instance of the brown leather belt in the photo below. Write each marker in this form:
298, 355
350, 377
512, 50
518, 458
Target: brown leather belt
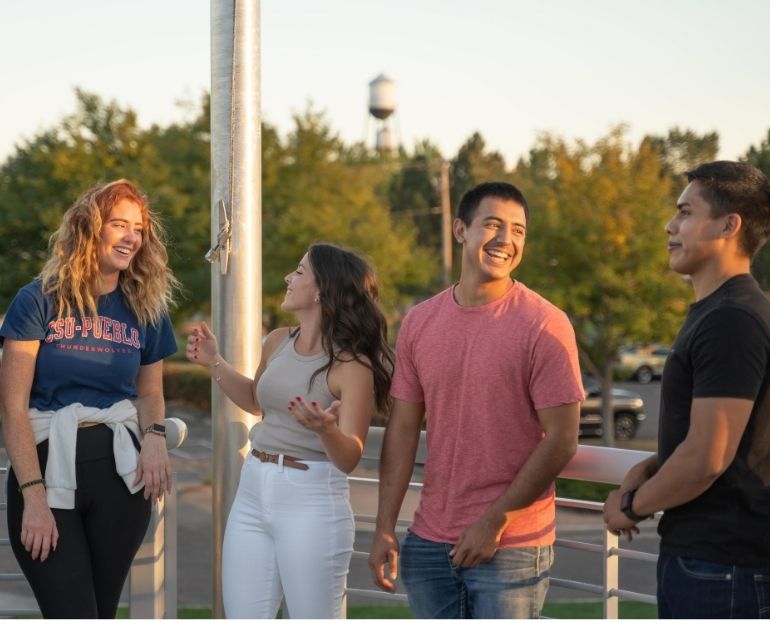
270, 458
89, 424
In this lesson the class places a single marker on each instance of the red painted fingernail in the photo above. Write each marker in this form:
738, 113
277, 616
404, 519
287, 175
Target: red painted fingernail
315, 403
298, 398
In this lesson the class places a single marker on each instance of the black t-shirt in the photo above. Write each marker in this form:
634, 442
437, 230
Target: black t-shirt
722, 350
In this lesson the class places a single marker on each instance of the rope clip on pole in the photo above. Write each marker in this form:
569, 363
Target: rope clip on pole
221, 251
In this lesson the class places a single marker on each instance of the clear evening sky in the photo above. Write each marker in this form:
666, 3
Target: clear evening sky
509, 69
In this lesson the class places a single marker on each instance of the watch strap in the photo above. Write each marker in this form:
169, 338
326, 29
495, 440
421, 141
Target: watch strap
155, 429
626, 505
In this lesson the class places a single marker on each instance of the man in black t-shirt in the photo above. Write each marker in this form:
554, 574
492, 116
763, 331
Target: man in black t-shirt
711, 475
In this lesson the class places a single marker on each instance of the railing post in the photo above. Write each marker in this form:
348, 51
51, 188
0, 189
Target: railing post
171, 566
611, 576
146, 599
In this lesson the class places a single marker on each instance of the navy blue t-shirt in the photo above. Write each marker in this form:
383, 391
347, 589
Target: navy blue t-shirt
94, 361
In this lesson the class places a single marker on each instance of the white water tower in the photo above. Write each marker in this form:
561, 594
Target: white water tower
382, 105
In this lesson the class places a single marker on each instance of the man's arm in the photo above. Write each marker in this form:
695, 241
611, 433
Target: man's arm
399, 448
480, 540
716, 427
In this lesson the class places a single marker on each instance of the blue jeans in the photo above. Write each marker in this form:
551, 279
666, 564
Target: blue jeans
512, 584
690, 588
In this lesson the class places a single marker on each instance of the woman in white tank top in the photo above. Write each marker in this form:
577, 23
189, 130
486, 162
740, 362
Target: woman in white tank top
290, 530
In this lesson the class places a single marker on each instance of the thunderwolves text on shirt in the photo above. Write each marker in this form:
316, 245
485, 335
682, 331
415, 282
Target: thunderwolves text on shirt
98, 327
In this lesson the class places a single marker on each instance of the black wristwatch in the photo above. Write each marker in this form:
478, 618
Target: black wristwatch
626, 503
156, 429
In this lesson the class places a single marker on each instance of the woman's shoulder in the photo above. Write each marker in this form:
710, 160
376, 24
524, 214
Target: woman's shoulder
32, 296
350, 361
34, 289
274, 340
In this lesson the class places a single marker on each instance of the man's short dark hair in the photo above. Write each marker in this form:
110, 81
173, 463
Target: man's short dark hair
471, 200
730, 187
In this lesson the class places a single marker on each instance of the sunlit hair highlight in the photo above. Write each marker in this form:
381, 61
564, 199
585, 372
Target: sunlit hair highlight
351, 321
72, 276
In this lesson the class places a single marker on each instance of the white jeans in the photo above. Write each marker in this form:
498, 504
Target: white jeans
289, 534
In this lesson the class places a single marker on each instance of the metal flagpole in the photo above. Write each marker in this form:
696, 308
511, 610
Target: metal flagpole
236, 255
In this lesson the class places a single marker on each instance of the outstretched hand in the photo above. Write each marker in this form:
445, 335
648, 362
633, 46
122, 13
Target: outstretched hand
202, 346
313, 417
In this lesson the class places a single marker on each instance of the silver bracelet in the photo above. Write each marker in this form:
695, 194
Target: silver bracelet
215, 365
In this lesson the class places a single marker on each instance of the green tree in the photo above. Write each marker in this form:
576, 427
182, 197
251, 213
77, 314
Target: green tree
414, 194
474, 164
317, 193
314, 188
681, 150
596, 246
759, 157
99, 142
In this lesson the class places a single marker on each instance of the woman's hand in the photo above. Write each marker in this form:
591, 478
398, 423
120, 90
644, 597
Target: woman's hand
154, 467
39, 534
313, 417
202, 346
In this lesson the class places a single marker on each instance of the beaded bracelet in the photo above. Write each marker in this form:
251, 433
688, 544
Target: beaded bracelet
34, 482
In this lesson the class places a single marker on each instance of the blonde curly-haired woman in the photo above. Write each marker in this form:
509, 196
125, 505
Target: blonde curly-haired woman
82, 406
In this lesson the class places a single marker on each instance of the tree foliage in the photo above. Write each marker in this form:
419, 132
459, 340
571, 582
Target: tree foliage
682, 150
759, 157
596, 245
314, 187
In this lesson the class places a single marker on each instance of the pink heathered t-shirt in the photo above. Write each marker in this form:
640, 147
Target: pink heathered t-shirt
483, 373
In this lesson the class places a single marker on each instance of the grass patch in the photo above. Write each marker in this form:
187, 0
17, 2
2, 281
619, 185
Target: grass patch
554, 610
588, 491
595, 611
375, 612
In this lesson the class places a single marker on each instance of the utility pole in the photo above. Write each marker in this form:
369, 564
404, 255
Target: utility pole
236, 254
446, 226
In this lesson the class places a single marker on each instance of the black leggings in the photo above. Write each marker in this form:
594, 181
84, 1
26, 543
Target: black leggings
98, 539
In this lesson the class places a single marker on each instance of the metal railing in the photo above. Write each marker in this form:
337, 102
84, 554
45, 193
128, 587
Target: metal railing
591, 463
152, 581
152, 588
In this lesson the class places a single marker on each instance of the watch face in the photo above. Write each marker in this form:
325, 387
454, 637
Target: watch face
156, 428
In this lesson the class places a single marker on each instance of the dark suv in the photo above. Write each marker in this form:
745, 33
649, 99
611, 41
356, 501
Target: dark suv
628, 411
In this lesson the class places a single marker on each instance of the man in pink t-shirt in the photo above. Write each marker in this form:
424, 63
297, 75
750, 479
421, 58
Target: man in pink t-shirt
494, 368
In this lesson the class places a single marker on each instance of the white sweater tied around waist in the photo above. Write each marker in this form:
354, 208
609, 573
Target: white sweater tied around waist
60, 427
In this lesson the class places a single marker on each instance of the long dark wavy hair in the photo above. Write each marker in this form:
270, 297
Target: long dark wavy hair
351, 321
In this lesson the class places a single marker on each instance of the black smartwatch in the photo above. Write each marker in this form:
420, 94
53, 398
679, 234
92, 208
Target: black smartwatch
626, 503
156, 429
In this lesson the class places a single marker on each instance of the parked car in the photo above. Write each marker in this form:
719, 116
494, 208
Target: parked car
642, 363
627, 408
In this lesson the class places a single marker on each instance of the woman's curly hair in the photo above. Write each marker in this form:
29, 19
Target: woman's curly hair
72, 276
351, 321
